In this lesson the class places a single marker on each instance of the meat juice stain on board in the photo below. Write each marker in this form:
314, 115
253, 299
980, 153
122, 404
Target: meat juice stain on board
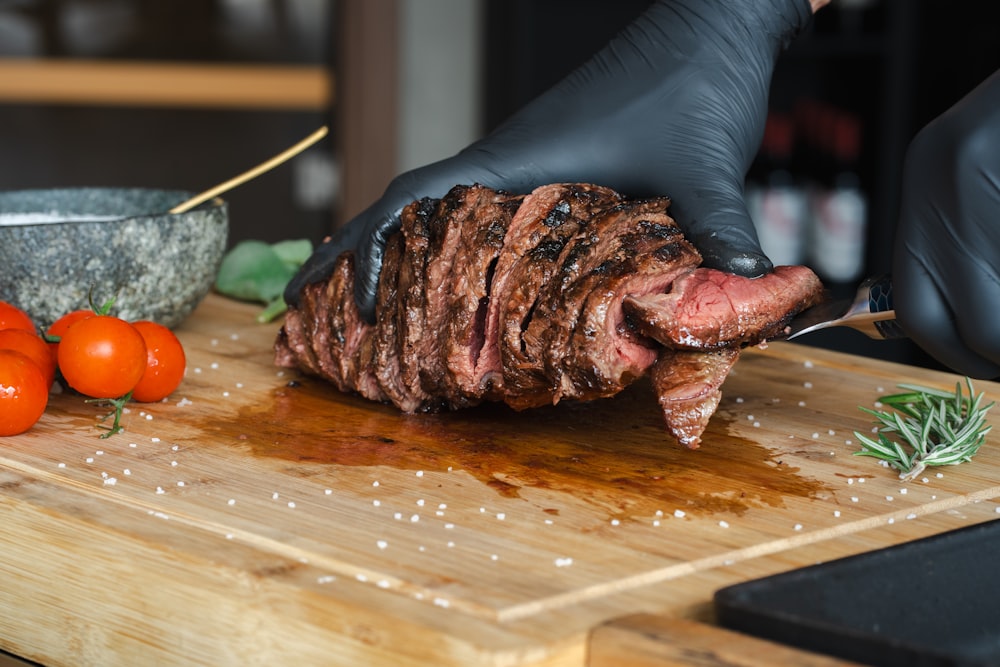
611, 453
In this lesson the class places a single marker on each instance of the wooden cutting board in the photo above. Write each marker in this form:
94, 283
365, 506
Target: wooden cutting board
259, 517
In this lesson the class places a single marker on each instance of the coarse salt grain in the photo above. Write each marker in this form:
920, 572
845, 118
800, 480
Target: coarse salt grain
724, 524
159, 490
126, 472
615, 522
836, 513
274, 495
911, 515
501, 516
398, 516
180, 483
679, 514
807, 363
802, 404
291, 504
326, 579
328, 491
382, 544
415, 518
376, 503
798, 526
854, 499
420, 473
110, 481
494, 557
563, 562
382, 583
441, 602
231, 501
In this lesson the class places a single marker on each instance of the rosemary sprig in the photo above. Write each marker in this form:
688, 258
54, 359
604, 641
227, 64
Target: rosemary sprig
931, 428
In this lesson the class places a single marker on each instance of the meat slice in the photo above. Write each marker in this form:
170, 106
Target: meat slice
418, 221
708, 309
546, 221
688, 387
324, 333
467, 296
588, 347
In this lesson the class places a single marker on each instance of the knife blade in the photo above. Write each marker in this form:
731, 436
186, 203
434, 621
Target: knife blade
870, 312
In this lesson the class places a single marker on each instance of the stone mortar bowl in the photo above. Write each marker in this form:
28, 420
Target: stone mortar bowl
59, 246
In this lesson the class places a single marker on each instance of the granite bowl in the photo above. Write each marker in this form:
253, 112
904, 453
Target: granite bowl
58, 246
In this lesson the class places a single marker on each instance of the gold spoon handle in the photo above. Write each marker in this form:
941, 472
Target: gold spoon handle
252, 173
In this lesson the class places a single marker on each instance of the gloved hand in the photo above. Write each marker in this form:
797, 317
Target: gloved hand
946, 257
674, 105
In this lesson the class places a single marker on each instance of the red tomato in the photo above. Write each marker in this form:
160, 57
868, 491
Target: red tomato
165, 362
102, 356
31, 346
60, 326
23, 392
12, 317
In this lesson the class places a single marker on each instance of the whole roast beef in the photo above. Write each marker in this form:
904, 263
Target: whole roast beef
569, 292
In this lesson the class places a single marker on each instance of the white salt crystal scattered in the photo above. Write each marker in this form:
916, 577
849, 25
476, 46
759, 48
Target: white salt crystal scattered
225, 394
442, 506
854, 499
361, 577
889, 498
229, 536
382, 583
274, 496
749, 417
563, 562
450, 544
836, 513
724, 524
494, 557
449, 526
902, 491
197, 370
815, 435
415, 518
679, 514
149, 418
891, 520
328, 491
848, 442
159, 490
997, 509
807, 385
397, 516
183, 403
501, 516
214, 365
231, 501
381, 544
659, 512
438, 513
99, 452
326, 579
180, 483
807, 364
126, 472
239, 385
925, 480
798, 526
441, 602
154, 439
173, 464
420, 502
161, 515
291, 504
739, 399
831, 432
375, 483
90, 459
482, 510
110, 481
420, 473
861, 480
802, 404
911, 515
615, 522
656, 523
376, 503
939, 475
756, 424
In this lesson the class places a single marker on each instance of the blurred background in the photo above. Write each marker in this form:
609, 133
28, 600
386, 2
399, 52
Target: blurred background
187, 93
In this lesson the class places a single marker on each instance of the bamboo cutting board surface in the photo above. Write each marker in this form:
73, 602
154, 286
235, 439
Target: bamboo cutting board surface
260, 517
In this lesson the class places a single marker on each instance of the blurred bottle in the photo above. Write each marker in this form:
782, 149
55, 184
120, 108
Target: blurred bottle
776, 201
839, 206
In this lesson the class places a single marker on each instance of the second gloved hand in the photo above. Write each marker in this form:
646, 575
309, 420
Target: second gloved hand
946, 259
674, 105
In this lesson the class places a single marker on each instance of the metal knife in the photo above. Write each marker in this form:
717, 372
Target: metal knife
870, 312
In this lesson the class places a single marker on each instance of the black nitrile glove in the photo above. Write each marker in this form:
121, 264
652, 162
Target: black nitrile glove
946, 259
674, 105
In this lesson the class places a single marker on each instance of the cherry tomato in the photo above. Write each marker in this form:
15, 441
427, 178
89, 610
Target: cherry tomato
60, 326
102, 356
32, 346
12, 317
23, 392
165, 362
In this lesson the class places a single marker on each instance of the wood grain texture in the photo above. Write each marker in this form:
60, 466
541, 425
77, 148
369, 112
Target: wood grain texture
261, 517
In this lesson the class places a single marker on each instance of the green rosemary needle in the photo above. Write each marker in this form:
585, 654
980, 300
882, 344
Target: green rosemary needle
927, 427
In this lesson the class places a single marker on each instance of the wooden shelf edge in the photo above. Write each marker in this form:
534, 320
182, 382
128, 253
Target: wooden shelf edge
163, 84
